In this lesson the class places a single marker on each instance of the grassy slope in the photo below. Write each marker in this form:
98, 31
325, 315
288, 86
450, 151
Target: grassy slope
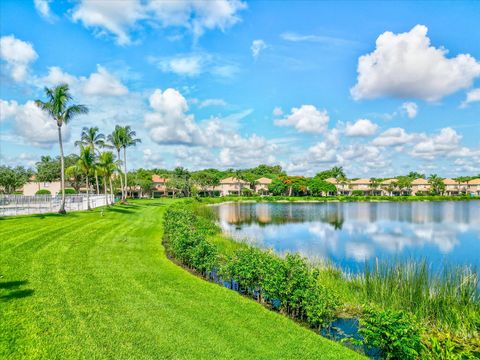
101, 287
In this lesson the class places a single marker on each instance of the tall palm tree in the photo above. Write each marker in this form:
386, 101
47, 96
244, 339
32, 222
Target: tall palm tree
107, 166
116, 139
128, 139
57, 106
93, 137
86, 163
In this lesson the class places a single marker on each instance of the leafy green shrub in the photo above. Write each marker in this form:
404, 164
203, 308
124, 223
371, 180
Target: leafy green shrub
70, 191
185, 236
245, 267
297, 283
43, 192
247, 192
358, 193
320, 305
396, 333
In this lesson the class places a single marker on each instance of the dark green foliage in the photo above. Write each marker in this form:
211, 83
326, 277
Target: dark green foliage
70, 191
319, 187
12, 178
186, 239
320, 305
396, 333
43, 192
358, 193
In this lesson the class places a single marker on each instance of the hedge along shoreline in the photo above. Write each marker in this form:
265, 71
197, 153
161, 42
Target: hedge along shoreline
295, 288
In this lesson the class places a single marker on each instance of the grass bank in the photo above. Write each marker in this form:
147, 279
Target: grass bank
87, 286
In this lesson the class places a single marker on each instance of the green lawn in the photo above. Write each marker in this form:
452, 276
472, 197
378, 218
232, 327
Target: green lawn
91, 286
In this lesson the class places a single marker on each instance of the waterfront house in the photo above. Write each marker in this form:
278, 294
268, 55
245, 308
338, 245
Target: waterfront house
473, 187
388, 187
420, 186
261, 185
232, 186
361, 185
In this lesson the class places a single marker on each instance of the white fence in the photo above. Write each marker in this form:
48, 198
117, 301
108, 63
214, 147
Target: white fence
11, 205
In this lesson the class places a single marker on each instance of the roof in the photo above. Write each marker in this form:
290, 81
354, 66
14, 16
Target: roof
360, 181
420, 181
264, 180
389, 181
158, 179
450, 182
332, 180
474, 182
233, 180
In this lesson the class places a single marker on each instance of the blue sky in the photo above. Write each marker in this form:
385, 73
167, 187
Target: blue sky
379, 88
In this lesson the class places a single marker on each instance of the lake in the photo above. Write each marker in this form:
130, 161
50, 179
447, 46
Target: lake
351, 233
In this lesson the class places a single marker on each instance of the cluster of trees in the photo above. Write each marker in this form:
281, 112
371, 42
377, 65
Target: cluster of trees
91, 161
12, 178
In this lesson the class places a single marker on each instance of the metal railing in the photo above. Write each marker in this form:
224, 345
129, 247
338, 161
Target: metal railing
11, 205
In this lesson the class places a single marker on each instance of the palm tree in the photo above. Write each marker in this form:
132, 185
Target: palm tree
375, 184
57, 107
86, 163
107, 166
128, 139
338, 173
116, 139
436, 184
94, 138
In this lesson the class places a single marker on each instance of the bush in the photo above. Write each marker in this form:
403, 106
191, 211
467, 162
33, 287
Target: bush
247, 192
320, 305
185, 237
70, 191
43, 192
358, 193
395, 333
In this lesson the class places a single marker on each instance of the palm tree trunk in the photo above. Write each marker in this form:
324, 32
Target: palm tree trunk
88, 194
121, 180
125, 169
96, 182
62, 172
111, 191
105, 189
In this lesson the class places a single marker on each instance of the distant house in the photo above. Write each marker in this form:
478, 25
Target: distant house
361, 185
261, 185
420, 186
232, 186
159, 186
342, 186
31, 187
473, 187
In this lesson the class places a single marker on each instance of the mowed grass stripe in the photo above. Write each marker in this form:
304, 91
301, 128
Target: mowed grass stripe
103, 288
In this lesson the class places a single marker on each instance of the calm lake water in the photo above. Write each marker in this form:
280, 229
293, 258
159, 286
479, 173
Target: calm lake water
351, 233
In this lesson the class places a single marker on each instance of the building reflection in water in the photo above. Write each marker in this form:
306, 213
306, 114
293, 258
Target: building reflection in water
354, 232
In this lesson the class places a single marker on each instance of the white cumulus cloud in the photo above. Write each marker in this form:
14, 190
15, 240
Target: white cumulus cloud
17, 56
361, 127
472, 96
306, 118
257, 47
103, 83
43, 8
406, 65
393, 137
120, 17
446, 142
410, 108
